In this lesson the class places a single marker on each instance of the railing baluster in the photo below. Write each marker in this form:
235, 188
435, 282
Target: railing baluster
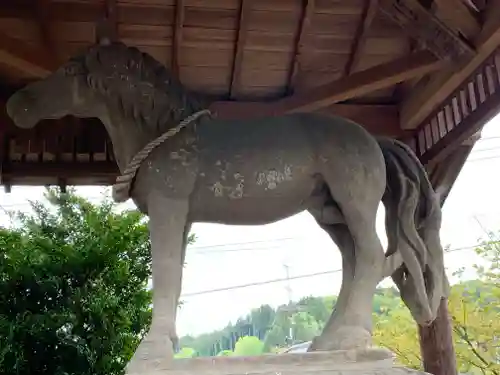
472, 96
490, 79
464, 102
435, 129
457, 113
420, 142
480, 87
448, 120
428, 136
496, 68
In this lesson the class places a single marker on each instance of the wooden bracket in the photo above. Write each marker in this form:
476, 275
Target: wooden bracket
423, 26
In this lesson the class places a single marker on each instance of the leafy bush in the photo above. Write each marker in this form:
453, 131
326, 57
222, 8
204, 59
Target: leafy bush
73, 288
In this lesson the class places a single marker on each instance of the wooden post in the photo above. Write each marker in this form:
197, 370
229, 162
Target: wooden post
436, 344
436, 340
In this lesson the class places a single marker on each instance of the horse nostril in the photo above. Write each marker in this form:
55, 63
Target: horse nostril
24, 100
20, 103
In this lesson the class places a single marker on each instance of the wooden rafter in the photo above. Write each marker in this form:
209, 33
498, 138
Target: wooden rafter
422, 25
369, 12
361, 83
377, 119
426, 98
25, 58
303, 31
458, 16
43, 15
177, 36
244, 14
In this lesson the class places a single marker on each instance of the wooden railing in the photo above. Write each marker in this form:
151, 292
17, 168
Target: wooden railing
69, 151
462, 114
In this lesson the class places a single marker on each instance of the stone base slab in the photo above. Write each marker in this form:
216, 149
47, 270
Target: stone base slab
372, 361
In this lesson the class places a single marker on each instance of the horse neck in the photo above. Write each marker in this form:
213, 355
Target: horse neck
126, 136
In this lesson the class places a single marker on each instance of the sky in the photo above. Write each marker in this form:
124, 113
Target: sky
232, 257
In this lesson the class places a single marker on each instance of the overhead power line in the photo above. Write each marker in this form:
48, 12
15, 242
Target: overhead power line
288, 278
260, 283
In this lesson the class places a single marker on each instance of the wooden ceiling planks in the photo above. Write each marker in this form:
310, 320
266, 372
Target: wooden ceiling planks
243, 49
210, 34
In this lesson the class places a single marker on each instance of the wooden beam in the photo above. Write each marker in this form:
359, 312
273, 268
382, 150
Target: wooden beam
245, 8
112, 18
458, 16
436, 344
444, 174
362, 83
369, 12
107, 26
63, 169
426, 98
420, 24
43, 15
436, 340
32, 61
377, 119
177, 37
301, 43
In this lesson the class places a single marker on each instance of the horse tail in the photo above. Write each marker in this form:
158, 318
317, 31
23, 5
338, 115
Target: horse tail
413, 221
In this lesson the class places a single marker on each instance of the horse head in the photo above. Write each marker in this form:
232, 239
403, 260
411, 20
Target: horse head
107, 80
63, 92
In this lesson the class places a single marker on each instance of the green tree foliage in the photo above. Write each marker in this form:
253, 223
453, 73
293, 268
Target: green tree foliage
186, 353
304, 326
475, 310
248, 346
396, 330
279, 328
73, 288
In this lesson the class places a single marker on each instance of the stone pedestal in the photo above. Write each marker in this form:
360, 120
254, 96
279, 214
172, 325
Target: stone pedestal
374, 361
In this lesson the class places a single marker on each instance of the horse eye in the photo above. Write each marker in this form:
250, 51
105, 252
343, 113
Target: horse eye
72, 70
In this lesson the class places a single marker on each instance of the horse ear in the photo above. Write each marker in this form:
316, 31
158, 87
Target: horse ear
105, 41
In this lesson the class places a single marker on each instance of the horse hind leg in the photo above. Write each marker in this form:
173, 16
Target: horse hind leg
339, 233
358, 197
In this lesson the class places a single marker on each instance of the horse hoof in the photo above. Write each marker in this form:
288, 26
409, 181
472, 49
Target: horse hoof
344, 338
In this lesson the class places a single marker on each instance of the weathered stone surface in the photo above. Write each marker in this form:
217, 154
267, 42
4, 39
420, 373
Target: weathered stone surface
370, 361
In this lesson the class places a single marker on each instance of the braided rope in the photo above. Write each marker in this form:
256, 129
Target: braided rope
121, 189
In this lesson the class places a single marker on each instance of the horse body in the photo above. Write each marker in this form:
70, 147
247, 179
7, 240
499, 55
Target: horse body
229, 176
252, 172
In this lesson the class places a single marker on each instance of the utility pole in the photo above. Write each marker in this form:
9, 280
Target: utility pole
288, 289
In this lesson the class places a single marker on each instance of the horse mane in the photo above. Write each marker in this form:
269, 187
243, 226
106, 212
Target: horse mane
139, 86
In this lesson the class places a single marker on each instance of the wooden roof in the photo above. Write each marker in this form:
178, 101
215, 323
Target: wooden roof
387, 64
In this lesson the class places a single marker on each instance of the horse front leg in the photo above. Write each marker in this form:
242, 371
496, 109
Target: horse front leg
168, 231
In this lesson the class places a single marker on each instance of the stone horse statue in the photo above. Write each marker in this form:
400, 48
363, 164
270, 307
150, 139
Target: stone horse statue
250, 172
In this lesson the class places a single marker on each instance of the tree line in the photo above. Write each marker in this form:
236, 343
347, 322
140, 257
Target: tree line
282, 327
